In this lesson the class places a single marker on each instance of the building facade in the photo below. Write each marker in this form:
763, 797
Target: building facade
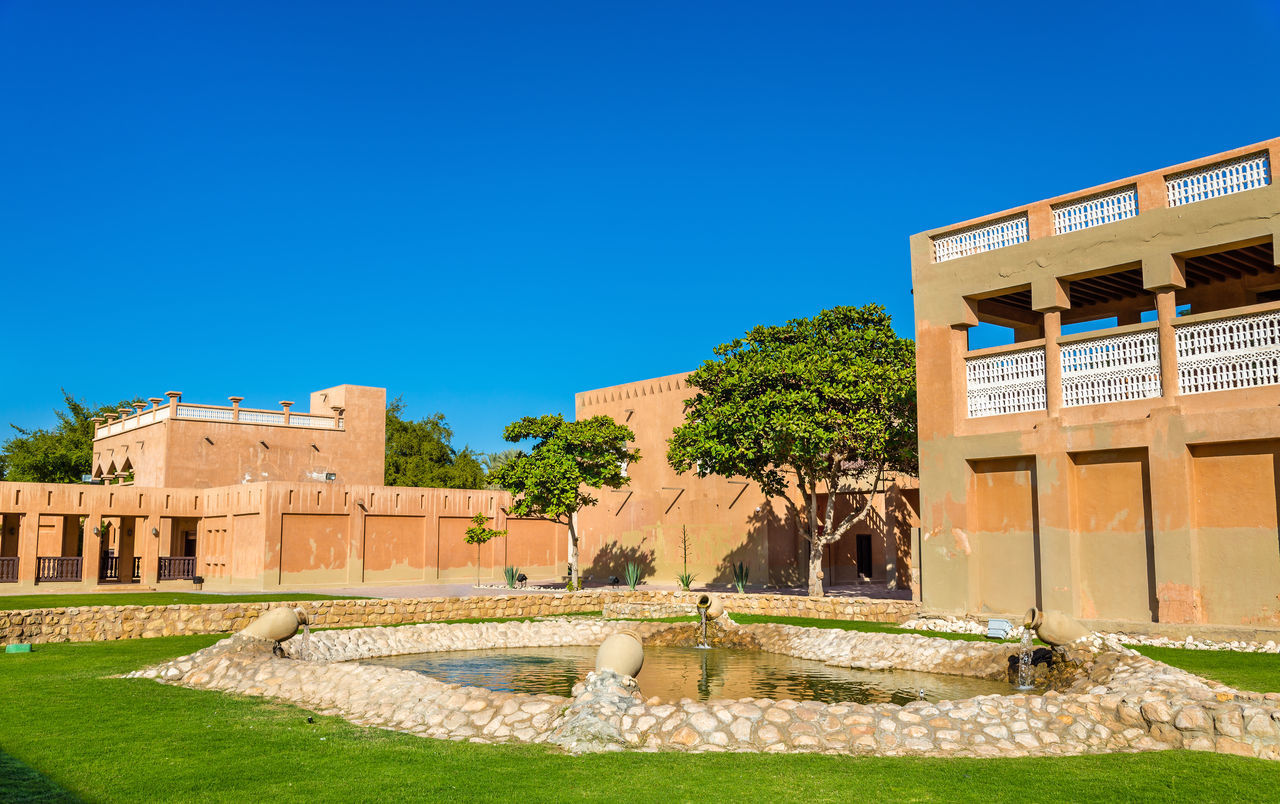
178, 444
728, 520
227, 498
1117, 457
260, 537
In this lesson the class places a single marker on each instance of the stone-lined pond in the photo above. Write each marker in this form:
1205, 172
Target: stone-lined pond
672, 673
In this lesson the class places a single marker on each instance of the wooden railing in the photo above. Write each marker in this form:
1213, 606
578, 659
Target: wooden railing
58, 568
9, 569
177, 568
137, 568
109, 568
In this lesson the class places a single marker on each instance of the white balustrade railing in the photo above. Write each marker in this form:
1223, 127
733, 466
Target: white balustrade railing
980, 238
1095, 210
150, 416
303, 420
1239, 352
1010, 382
216, 414
207, 414
1224, 178
261, 417
1113, 368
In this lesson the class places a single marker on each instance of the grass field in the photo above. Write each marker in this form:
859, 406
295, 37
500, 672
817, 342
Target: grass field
14, 602
68, 731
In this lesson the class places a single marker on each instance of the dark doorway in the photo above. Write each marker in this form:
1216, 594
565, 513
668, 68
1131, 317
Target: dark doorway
864, 555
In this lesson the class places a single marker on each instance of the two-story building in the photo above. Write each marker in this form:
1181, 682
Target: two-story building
1116, 457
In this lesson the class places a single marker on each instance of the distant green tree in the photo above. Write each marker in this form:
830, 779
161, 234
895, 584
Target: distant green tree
568, 460
62, 454
419, 454
496, 460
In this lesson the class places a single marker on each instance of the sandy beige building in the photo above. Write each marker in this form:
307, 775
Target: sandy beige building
230, 498
259, 536
1117, 458
176, 443
728, 520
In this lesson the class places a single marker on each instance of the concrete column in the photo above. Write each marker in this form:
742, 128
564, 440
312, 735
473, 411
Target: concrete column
1176, 560
28, 548
286, 404
235, 407
1052, 362
92, 547
174, 398
1166, 310
147, 545
1056, 553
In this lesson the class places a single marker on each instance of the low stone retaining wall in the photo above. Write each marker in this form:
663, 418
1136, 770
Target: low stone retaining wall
1118, 701
648, 611
98, 623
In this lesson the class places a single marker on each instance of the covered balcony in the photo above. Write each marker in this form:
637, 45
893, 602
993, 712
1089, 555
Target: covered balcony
1114, 340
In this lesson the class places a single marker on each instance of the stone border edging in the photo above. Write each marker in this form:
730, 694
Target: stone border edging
102, 623
1120, 701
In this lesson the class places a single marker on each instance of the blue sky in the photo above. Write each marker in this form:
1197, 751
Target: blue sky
486, 207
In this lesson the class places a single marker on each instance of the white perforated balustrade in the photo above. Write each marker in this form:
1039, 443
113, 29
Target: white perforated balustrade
1224, 178
1012, 382
212, 414
1111, 369
1095, 210
980, 238
1241, 352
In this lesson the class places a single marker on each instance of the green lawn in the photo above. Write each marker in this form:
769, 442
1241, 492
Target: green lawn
13, 602
69, 732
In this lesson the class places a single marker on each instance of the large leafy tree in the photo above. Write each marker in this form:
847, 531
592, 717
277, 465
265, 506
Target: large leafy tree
822, 404
419, 453
568, 460
62, 454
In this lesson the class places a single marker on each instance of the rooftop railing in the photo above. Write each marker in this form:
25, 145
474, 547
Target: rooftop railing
1193, 182
982, 238
234, 414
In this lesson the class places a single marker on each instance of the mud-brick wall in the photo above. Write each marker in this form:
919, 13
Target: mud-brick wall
98, 623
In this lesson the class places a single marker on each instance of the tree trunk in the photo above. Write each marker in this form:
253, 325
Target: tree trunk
815, 568
573, 553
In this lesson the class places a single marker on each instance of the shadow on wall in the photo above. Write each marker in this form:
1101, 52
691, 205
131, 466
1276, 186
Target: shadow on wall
771, 549
612, 559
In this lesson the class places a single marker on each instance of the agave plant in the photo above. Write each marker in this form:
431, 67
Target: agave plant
511, 574
632, 572
685, 579
740, 573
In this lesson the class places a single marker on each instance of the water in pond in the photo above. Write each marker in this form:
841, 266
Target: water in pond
675, 673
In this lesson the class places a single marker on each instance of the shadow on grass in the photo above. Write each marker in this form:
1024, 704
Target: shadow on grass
23, 784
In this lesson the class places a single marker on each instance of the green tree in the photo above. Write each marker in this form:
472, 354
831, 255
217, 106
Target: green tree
62, 454
478, 534
419, 453
494, 461
827, 404
568, 460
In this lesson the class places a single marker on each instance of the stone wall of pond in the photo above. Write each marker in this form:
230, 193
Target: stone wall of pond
96, 623
1115, 701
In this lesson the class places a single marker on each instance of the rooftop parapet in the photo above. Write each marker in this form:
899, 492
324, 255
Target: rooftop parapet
175, 408
1202, 179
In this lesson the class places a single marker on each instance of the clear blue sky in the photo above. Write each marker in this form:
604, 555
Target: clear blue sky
486, 207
